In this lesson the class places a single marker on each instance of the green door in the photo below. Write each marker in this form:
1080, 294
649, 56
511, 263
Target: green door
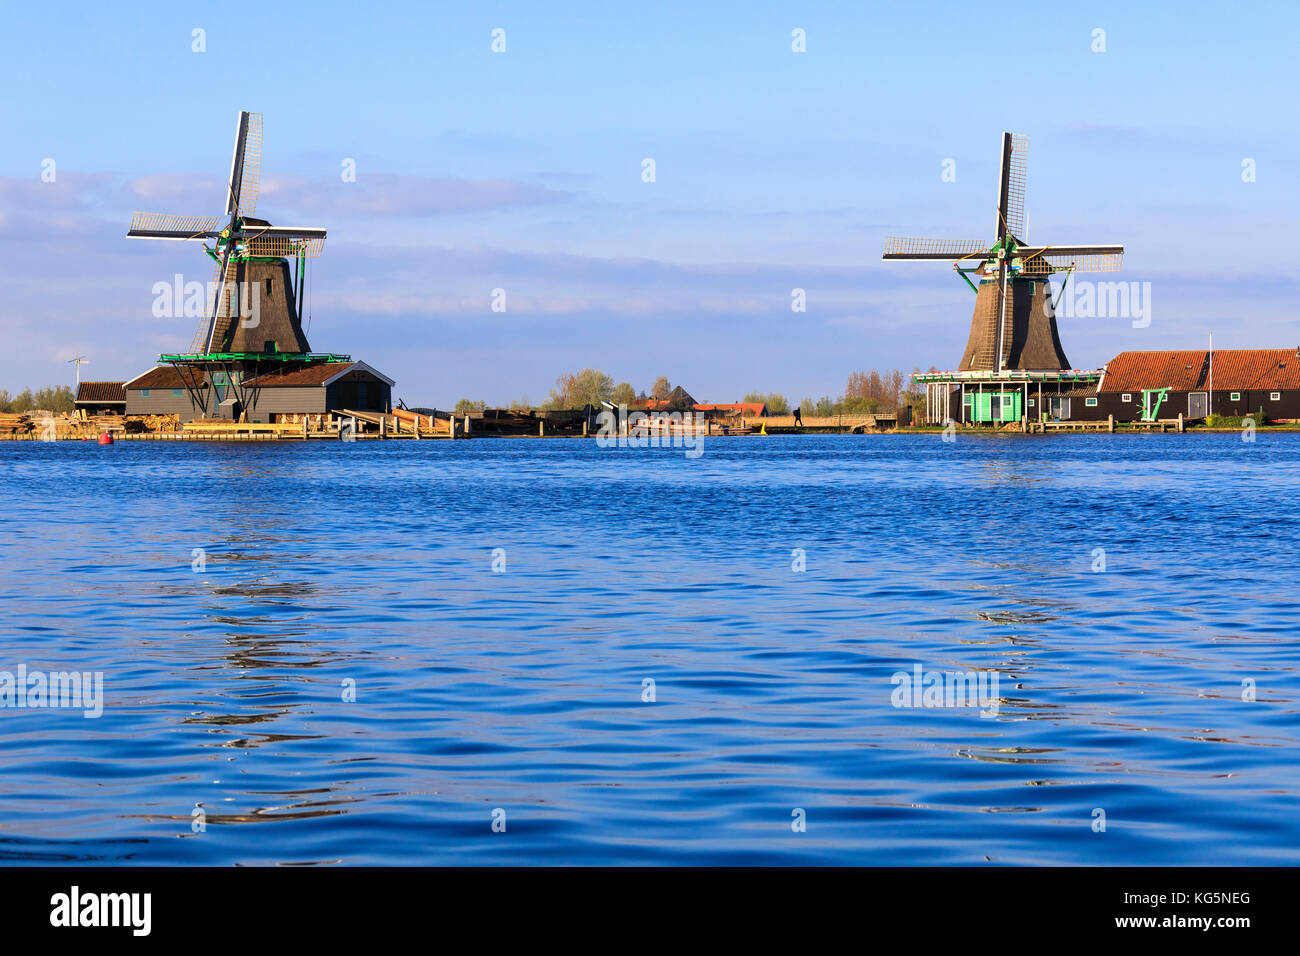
995, 407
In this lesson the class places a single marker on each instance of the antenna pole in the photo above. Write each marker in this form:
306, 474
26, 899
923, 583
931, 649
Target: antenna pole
79, 361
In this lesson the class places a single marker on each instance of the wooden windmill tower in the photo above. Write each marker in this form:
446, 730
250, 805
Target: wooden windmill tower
253, 318
1014, 323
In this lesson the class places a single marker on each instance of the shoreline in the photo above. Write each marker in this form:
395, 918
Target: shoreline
775, 432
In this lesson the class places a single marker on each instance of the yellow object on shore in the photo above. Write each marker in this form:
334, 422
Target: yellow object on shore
763, 429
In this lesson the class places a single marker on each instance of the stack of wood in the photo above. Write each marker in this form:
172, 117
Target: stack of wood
153, 423
408, 420
15, 424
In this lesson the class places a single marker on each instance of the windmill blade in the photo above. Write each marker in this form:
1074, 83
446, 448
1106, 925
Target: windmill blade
245, 166
150, 225
223, 276
1044, 260
1015, 177
281, 241
285, 232
278, 247
1003, 339
900, 247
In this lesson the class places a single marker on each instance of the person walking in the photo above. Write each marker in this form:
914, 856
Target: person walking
798, 420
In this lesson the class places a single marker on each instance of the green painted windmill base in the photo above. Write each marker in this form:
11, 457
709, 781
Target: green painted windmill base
197, 358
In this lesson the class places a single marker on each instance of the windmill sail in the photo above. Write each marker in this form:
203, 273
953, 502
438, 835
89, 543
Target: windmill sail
148, 225
245, 166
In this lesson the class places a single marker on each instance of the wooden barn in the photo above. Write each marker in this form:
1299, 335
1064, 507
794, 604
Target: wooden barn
100, 398
311, 390
1143, 386
319, 389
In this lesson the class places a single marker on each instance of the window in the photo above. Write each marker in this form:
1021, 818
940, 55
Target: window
1126, 397
1090, 402
144, 393
1031, 403
1234, 396
177, 392
1275, 396
1007, 401
268, 286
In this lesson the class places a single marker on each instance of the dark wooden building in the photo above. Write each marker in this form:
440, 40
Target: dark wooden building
309, 390
318, 389
100, 398
1137, 386
1194, 383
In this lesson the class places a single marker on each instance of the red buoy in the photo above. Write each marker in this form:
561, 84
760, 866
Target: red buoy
105, 439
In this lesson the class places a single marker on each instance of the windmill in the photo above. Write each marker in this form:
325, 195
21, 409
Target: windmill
249, 253
1014, 323
253, 317
79, 361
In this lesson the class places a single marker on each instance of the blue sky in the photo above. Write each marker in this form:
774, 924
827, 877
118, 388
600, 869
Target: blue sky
522, 170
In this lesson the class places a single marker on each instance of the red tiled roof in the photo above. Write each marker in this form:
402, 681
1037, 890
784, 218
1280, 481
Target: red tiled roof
164, 376
748, 408
1256, 368
1188, 369
304, 375
100, 392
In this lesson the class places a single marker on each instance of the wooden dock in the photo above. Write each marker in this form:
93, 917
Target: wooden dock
343, 425
1109, 425
1045, 425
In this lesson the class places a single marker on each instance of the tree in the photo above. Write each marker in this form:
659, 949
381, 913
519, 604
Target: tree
870, 391
661, 389
590, 386
624, 394
775, 402
48, 398
469, 407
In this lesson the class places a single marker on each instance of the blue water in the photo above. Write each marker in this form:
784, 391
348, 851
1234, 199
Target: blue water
521, 690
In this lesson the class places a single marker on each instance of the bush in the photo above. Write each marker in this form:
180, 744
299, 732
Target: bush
1235, 421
